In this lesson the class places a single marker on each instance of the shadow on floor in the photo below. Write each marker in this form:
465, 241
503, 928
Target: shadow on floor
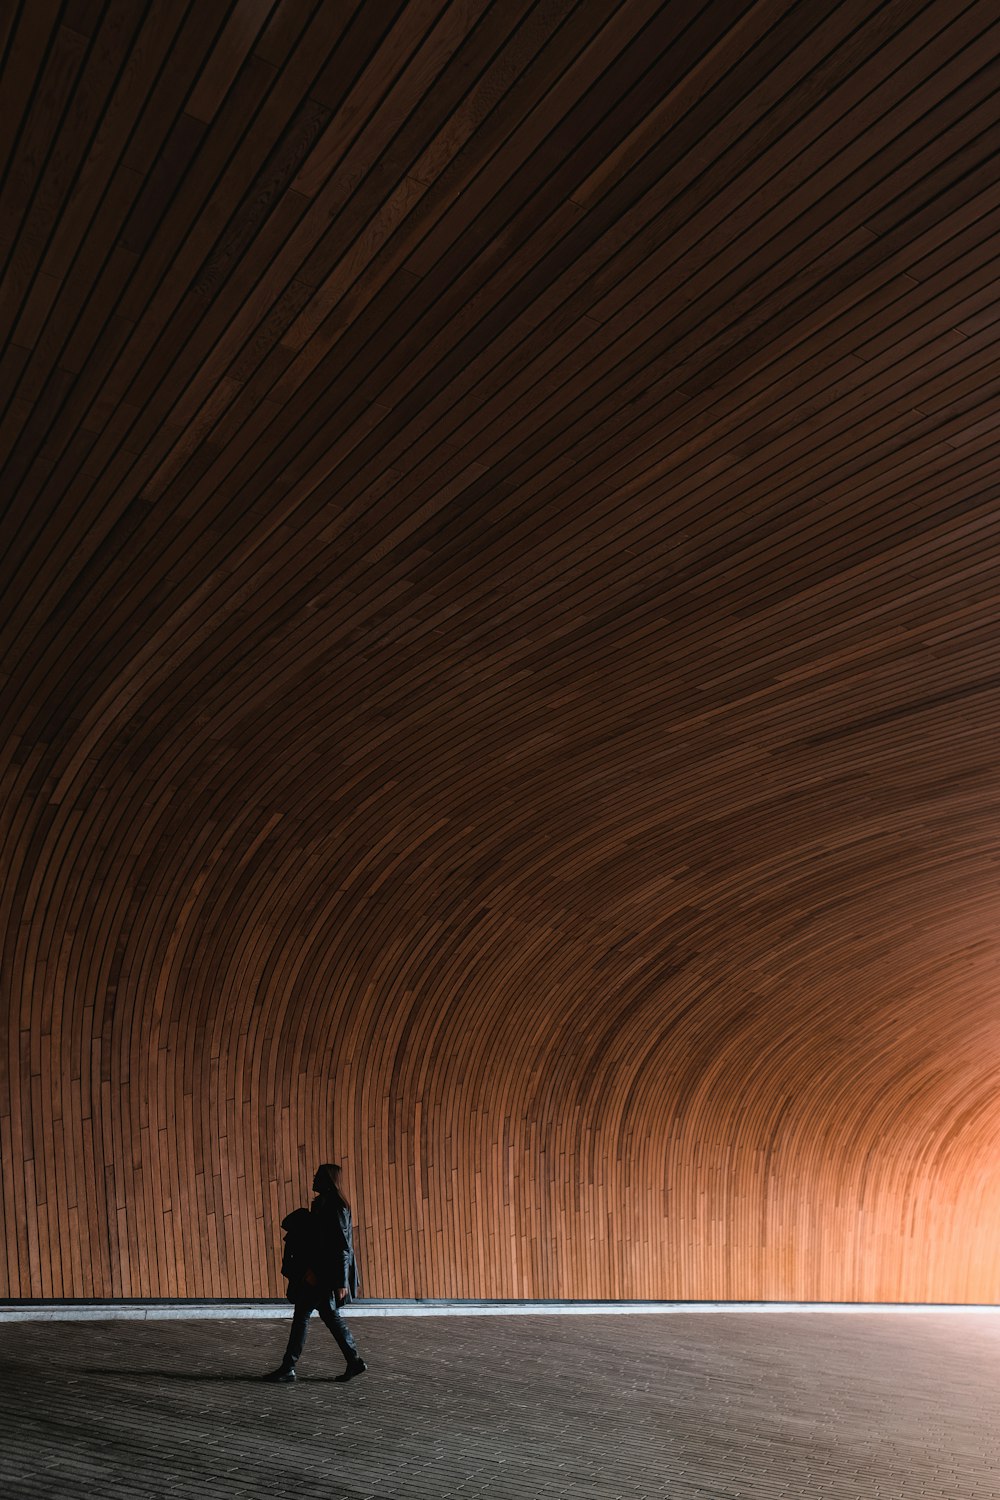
118, 1373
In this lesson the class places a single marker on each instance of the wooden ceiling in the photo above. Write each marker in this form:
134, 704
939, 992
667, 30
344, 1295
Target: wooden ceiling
500, 640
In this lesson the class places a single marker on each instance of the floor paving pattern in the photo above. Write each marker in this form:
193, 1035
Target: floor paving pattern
612, 1408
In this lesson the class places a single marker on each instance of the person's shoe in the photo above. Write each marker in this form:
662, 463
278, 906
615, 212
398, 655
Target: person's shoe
356, 1367
280, 1376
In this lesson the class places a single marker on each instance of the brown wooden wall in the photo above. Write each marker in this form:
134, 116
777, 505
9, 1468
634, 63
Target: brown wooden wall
499, 629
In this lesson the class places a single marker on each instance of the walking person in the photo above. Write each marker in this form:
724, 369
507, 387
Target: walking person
323, 1275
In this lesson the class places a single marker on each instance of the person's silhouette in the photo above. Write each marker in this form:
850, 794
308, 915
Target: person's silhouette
322, 1272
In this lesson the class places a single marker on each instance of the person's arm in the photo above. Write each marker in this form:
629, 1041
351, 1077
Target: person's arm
347, 1253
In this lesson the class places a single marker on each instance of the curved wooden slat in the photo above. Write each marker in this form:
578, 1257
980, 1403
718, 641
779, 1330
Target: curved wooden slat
498, 624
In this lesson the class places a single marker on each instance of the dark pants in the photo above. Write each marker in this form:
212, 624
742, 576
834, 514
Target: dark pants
326, 1307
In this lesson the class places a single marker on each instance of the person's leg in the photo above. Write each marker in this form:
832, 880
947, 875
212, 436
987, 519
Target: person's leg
296, 1343
297, 1334
345, 1339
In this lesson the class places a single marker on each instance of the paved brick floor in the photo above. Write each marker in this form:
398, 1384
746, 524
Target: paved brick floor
713, 1405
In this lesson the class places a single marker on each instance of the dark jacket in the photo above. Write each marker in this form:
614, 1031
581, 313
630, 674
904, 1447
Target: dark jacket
332, 1251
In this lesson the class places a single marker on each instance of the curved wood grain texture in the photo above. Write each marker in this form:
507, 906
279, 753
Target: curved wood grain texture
500, 638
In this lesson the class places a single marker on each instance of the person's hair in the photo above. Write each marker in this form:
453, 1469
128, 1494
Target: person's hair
331, 1171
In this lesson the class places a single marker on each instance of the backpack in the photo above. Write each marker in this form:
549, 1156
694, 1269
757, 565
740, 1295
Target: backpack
297, 1254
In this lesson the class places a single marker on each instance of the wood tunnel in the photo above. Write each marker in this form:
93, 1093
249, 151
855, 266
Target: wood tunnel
500, 645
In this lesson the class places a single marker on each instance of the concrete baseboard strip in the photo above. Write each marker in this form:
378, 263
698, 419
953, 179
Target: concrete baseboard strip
22, 1312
